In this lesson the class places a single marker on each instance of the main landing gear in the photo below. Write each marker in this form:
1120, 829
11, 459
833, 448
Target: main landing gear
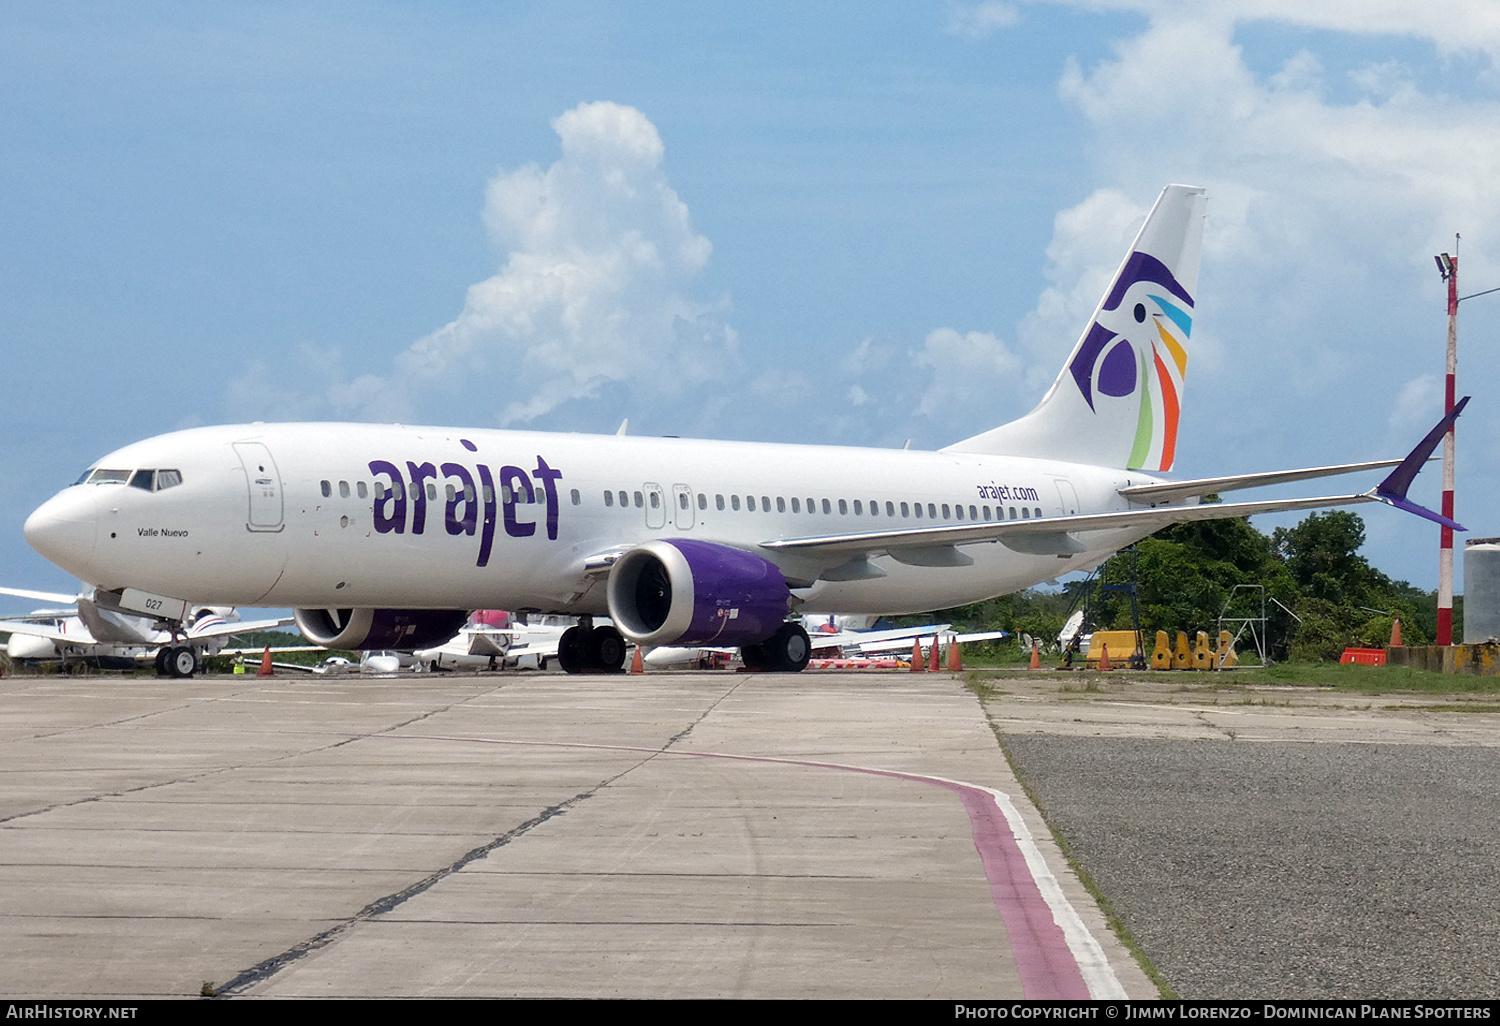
176, 661
586, 648
786, 651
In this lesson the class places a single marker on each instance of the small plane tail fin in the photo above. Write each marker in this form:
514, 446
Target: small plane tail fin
1118, 399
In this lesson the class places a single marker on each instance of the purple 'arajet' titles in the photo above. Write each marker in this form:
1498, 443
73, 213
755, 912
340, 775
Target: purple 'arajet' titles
465, 502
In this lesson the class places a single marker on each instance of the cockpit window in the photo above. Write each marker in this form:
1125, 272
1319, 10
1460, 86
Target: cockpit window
155, 480
102, 476
84, 476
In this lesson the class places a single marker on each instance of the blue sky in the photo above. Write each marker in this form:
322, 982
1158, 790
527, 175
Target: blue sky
843, 223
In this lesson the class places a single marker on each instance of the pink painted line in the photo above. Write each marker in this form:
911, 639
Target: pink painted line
1045, 963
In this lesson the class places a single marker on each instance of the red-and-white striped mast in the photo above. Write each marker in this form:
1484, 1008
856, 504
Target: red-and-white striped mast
1448, 267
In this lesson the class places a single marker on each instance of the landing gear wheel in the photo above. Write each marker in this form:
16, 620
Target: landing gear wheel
181, 662
161, 661
608, 649
788, 650
754, 657
574, 651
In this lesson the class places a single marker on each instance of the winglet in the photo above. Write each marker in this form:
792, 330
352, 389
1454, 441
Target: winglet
1392, 490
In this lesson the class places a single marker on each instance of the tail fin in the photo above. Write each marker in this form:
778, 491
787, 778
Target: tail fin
1116, 403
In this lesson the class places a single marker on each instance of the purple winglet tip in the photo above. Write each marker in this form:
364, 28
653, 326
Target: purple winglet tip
1393, 489
1402, 502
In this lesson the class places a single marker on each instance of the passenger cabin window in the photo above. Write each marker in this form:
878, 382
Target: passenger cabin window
624, 500
780, 504
577, 499
918, 507
946, 514
719, 502
609, 498
734, 502
890, 509
750, 503
364, 490
682, 500
765, 503
859, 508
702, 501
843, 508
343, 489
827, 507
327, 489
639, 500
904, 511
796, 505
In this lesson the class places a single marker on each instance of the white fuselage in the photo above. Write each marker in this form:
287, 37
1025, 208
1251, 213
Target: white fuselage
288, 515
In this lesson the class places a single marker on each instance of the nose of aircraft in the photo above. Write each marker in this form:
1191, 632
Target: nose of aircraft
63, 529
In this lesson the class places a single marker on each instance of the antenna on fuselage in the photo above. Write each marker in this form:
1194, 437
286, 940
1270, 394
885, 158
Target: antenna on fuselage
623, 425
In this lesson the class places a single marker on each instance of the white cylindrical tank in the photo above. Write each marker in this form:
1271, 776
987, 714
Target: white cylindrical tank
1481, 590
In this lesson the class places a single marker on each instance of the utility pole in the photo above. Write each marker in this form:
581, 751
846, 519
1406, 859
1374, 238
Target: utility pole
1448, 268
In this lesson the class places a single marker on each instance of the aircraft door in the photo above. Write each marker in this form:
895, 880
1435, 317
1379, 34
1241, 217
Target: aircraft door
682, 507
264, 484
656, 506
1067, 495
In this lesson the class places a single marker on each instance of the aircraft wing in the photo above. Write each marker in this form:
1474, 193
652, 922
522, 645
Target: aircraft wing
934, 546
42, 596
41, 630
1176, 491
900, 645
222, 630
937, 546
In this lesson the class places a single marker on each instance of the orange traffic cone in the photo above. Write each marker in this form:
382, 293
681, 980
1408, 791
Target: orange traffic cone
1104, 666
1036, 657
637, 665
265, 663
932, 656
955, 661
918, 664
1396, 633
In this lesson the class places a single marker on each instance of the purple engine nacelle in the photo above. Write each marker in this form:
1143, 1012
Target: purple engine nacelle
683, 592
359, 630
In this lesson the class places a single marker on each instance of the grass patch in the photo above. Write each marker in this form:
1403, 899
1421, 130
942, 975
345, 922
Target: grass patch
1468, 707
1371, 680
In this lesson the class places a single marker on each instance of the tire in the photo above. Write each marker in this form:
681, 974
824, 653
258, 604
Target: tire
788, 650
574, 652
608, 649
161, 662
754, 657
181, 662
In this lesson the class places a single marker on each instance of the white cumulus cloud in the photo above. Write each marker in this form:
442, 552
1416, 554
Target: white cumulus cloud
595, 292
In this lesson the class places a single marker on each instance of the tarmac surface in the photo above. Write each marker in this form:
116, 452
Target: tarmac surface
1277, 842
534, 835
739, 835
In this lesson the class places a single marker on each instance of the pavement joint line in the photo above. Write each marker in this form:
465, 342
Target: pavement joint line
344, 739
1047, 970
270, 967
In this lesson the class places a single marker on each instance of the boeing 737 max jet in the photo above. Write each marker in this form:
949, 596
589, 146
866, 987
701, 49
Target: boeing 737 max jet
386, 536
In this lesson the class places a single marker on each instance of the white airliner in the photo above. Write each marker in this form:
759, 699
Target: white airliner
385, 536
